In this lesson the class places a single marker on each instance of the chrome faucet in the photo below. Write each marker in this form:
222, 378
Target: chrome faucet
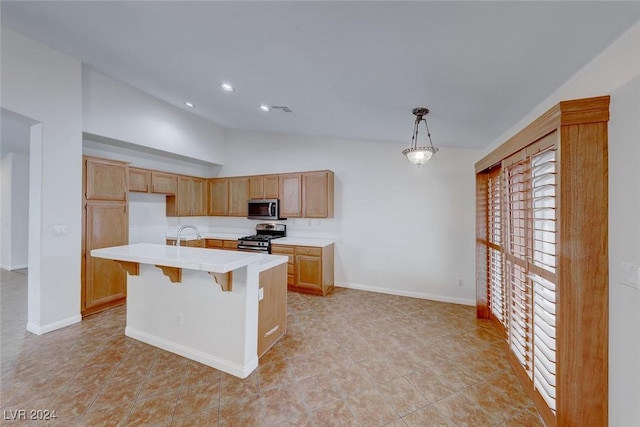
188, 226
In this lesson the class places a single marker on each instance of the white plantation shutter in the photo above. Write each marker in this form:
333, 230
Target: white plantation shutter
543, 190
497, 290
530, 187
544, 339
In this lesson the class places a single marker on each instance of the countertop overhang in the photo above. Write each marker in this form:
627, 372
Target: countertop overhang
212, 260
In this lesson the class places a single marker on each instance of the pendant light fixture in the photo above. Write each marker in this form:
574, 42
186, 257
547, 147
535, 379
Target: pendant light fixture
419, 155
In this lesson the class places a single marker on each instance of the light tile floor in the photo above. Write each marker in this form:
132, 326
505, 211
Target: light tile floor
352, 358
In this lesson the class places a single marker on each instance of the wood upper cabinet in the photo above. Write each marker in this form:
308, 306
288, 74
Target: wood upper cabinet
238, 196
290, 195
139, 180
218, 196
256, 187
317, 194
164, 183
191, 197
105, 179
272, 308
263, 187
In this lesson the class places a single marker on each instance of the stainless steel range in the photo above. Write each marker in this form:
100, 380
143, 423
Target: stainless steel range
261, 241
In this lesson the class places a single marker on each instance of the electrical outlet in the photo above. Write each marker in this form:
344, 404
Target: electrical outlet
629, 275
180, 319
260, 294
59, 230
460, 282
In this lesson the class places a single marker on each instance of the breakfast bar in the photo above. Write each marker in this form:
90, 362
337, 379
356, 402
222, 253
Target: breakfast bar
199, 303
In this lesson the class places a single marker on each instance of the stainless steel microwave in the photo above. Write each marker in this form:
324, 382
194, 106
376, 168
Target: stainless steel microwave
264, 209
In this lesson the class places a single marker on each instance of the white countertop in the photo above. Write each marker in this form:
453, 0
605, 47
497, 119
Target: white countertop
296, 241
214, 260
207, 235
302, 241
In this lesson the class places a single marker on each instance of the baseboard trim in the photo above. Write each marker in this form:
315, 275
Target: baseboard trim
199, 356
420, 295
13, 267
40, 330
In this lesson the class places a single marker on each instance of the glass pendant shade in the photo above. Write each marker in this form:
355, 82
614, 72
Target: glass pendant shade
419, 155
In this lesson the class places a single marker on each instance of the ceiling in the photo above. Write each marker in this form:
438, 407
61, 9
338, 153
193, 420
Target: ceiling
352, 70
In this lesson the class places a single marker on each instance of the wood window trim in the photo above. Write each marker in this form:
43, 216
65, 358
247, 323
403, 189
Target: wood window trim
580, 129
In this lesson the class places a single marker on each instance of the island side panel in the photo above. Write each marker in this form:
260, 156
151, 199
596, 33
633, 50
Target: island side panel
195, 318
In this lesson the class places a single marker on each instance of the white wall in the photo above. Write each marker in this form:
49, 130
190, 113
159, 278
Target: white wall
114, 110
398, 229
15, 208
5, 212
45, 85
616, 71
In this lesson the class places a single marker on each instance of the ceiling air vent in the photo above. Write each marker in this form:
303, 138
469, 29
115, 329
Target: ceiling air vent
282, 108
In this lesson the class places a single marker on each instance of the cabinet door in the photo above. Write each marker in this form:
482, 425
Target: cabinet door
164, 183
272, 308
290, 196
317, 192
213, 243
271, 190
238, 196
106, 180
139, 180
198, 197
105, 281
183, 197
309, 271
256, 187
218, 197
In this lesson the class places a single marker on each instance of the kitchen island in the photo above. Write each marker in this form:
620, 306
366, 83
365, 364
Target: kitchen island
199, 303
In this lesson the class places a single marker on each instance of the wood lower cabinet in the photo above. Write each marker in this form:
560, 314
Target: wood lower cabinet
289, 252
190, 243
310, 268
105, 282
272, 308
229, 245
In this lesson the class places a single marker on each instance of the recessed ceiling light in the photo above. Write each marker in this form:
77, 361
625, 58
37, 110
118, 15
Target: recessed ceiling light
190, 104
264, 107
227, 87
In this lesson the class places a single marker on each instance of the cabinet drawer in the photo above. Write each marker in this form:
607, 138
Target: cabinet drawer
195, 243
230, 244
213, 243
307, 250
278, 249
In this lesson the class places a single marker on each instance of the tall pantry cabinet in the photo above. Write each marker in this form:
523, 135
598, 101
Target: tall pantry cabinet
104, 223
542, 258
